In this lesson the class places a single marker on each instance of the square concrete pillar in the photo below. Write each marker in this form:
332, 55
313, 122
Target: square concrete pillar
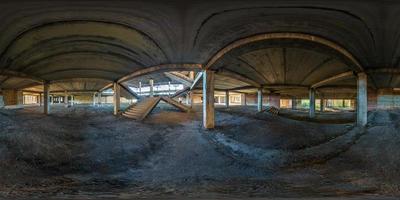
322, 104
259, 100
99, 98
94, 99
40, 99
140, 88
312, 103
46, 98
227, 98
117, 96
151, 82
362, 99
66, 103
294, 103
208, 100
243, 99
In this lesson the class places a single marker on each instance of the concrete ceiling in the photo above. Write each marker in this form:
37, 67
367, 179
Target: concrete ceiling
66, 40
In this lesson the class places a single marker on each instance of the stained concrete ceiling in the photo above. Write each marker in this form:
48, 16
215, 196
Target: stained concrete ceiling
66, 40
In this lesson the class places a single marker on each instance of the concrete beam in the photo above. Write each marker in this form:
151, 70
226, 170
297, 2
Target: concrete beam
334, 78
16, 74
160, 68
129, 91
108, 86
176, 76
235, 75
362, 99
196, 80
208, 99
284, 35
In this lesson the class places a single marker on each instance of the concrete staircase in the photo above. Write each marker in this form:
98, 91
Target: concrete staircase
272, 110
140, 110
180, 92
176, 104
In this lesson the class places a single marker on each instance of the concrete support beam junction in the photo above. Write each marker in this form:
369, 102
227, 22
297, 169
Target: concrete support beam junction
362, 99
312, 103
117, 96
208, 99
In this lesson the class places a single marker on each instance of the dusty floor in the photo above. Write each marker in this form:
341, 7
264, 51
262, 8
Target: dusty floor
85, 152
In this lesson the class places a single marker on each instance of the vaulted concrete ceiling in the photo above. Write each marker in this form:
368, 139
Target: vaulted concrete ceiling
59, 40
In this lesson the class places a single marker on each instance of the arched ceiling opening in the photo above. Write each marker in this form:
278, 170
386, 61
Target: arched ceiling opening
284, 62
81, 49
109, 40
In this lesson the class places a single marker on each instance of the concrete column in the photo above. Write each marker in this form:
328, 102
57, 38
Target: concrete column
362, 99
94, 99
227, 98
322, 105
40, 99
243, 99
169, 88
20, 98
117, 100
208, 99
294, 103
259, 100
191, 99
99, 98
46, 98
140, 88
312, 103
151, 82
187, 98
66, 99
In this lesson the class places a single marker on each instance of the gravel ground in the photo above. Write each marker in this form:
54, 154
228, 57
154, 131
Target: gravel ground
83, 152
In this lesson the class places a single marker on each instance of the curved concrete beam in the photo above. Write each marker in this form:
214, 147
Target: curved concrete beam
12, 73
334, 78
274, 36
160, 68
232, 74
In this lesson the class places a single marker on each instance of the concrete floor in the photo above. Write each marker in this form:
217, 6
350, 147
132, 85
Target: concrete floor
83, 152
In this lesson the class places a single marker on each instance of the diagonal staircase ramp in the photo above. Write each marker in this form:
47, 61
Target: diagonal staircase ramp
140, 110
272, 110
181, 92
176, 104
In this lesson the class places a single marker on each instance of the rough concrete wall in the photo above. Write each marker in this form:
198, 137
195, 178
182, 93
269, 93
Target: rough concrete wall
274, 100
83, 99
251, 99
388, 99
12, 97
372, 100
